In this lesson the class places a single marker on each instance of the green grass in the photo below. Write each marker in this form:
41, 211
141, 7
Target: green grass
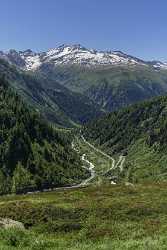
16, 240
103, 217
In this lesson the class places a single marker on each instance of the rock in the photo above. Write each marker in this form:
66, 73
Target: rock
129, 184
8, 223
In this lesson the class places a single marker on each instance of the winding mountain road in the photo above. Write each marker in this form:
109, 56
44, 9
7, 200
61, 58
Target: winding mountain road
90, 168
99, 151
115, 165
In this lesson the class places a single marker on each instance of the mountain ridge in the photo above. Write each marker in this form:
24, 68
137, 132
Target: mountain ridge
67, 54
55, 102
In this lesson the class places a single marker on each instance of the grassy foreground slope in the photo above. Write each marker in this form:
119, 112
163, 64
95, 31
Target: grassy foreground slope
140, 133
105, 217
33, 154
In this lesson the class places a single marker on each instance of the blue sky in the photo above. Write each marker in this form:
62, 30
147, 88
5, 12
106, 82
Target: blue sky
137, 27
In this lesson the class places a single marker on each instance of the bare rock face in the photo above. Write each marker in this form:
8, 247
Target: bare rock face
8, 223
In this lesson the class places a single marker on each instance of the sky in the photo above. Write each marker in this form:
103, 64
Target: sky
137, 27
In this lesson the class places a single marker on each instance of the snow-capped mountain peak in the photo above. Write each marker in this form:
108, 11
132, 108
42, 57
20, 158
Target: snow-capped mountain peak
77, 54
73, 54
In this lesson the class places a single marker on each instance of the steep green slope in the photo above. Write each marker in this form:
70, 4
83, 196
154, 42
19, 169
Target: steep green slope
55, 102
33, 155
110, 87
140, 132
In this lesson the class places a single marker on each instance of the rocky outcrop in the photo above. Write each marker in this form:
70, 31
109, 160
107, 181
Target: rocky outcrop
8, 223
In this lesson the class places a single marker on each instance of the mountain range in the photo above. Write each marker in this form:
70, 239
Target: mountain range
72, 85
74, 54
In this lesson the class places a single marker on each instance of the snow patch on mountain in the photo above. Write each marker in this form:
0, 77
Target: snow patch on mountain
160, 65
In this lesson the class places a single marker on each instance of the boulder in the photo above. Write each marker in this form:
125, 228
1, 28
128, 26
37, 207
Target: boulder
8, 223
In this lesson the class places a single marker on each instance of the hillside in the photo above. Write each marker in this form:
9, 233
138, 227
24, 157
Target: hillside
55, 102
110, 87
139, 132
33, 155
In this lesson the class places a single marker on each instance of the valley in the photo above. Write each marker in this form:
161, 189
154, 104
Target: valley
100, 164
101, 182
89, 179
83, 125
